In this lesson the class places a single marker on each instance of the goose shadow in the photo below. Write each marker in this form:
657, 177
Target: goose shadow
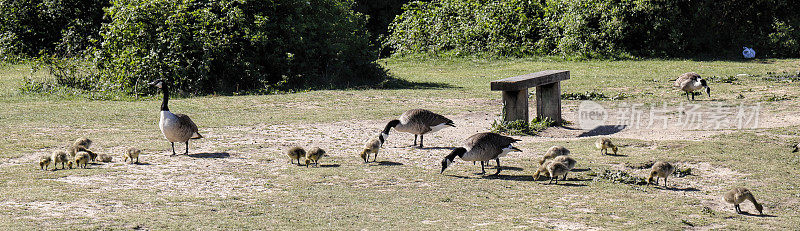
568, 184
435, 148
756, 215
689, 189
603, 130
215, 155
141, 163
329, 165
580, 169
388, 163
510, 177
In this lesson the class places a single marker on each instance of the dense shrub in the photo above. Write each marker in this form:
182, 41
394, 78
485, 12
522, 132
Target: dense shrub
379, 15
600, 28
29, 28
508, 28
206, 46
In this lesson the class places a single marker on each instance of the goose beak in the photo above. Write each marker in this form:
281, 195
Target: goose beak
445, 164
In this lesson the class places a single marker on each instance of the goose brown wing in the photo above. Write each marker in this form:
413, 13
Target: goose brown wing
488, 144
186, 124
425, 117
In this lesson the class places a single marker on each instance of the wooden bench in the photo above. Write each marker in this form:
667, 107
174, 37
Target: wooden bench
548, 95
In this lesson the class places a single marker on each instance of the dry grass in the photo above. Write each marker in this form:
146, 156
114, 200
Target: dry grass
239, 178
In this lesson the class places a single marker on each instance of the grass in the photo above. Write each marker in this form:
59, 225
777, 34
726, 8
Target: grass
247, 184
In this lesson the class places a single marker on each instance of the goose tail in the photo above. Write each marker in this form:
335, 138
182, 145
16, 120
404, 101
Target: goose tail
196, 136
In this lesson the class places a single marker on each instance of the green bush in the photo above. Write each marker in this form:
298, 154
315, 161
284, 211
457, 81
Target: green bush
29, 28
206, 46
506, 28
599, 28
379, 16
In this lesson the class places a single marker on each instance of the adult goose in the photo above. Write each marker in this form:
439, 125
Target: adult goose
690, 82
175, 127
417, 122
482, 147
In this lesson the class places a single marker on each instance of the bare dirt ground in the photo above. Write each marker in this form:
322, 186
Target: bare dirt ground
208, 171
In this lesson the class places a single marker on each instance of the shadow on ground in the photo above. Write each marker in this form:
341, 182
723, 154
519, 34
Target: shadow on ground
215, 155
603, 130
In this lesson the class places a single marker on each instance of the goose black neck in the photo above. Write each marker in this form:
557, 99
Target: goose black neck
165, 100
456, 152
390, 125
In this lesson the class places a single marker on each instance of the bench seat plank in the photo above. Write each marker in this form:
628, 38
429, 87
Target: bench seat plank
523, 82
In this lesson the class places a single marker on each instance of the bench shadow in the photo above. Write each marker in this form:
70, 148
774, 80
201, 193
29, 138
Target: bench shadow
215, 155
388, 163
603, 130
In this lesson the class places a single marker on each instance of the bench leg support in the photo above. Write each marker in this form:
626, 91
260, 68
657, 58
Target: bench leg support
515, 105
548, 102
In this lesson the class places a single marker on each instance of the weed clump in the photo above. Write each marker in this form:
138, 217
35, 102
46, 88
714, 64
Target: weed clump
593, 95
618, 176
520, 127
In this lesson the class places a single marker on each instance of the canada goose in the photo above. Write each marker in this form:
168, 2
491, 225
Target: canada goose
482, 147
554, 169
132, 153
295, 153
417, 122
553, 152
660, 169
104, 158
737, 195
313, 156
567, 161
44, 161
690, 82
604, 144
81, 159
175, 127
796, 148
373, 146
59, 157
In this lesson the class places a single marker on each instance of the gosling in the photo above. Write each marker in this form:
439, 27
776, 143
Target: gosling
554, 169
604, 144
372, 147
80, 144
81, 160
567, 161
295, 153
59, 157
104, 158
44, 162
313, 156
132, 153
660, 169
738, 195
553, 152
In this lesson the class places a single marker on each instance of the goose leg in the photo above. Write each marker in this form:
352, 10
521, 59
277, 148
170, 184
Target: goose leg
374, 159
565, 175
738, 210
415, 140
420, 140
187, 148
498, 167
482, 170
665, 181
173, 148
687, 96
